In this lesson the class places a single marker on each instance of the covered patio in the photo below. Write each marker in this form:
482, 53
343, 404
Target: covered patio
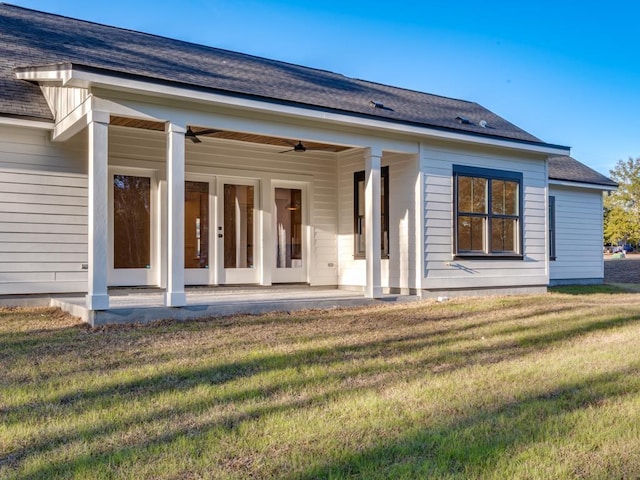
143, 305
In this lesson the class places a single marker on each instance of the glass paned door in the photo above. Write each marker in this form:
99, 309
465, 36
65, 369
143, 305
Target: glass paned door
132, 223
289, 232
237, 231
197, 253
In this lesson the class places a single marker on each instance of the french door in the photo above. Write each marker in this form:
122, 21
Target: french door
237, 231
289, 209
133, 204
198, 251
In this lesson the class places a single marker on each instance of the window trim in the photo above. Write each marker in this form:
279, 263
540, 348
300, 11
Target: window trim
488, 174
359, 176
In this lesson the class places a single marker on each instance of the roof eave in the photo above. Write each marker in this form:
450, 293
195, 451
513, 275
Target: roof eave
593, 186
26, 122
83, 76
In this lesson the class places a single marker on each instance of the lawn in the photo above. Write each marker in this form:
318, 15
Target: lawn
530, 387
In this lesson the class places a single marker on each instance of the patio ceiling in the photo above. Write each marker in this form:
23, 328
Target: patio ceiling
229, 135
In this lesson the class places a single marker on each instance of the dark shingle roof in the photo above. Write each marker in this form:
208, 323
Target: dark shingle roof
32, 38
571, 170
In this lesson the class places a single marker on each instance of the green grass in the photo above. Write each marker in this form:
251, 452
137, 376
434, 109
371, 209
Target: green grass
591, 289
504, 387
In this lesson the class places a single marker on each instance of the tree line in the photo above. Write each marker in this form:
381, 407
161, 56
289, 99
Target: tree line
622, 207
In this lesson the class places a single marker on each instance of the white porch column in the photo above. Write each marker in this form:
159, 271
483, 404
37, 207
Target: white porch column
98, 128
175, 296
372, 161
267, 235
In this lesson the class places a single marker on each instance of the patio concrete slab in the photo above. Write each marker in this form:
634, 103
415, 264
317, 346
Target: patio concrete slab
142, 306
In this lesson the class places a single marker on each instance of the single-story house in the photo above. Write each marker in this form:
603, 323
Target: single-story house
129, 159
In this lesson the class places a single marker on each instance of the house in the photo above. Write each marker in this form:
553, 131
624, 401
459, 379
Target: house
130, 159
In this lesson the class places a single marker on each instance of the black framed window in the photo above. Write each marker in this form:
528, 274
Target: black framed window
359, 226
488, 212
552, 227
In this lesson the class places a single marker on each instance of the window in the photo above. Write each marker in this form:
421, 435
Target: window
488, 217
359, 211
552, 228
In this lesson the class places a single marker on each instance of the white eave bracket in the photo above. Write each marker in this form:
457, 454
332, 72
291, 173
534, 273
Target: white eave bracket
59, 74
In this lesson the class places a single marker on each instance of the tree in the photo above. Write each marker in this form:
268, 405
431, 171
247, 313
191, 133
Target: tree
622, 207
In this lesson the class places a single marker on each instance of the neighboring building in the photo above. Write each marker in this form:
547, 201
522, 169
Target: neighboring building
129, 159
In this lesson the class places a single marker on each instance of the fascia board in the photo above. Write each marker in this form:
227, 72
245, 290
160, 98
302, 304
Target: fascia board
591, 186
25, 123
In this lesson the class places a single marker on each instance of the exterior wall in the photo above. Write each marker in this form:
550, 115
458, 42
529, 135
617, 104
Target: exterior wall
579, 236
43, 213
399, 271
441, 271
130, 147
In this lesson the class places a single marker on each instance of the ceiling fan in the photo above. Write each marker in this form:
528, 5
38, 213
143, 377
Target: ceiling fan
193, 136
299, 147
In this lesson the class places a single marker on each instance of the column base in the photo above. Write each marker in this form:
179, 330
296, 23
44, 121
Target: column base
97, 301
175, 299
373, 292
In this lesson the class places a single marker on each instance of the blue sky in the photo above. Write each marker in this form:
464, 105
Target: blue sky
567, 72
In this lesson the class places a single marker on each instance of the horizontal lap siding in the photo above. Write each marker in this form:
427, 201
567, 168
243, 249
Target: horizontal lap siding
440, 270
43, 214
403, 177
132, 147
352, 272
578, 234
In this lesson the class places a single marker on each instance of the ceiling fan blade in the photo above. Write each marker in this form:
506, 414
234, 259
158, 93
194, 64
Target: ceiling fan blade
287, 151
208, 131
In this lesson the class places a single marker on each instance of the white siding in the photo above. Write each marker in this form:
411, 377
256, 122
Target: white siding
134, 147
43, 213
63, 100
441, 271
578, 235
399, 271
351, 271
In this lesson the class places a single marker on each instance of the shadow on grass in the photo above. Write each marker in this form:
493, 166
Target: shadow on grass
429, 346
470, 447
610, 289
369, 361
